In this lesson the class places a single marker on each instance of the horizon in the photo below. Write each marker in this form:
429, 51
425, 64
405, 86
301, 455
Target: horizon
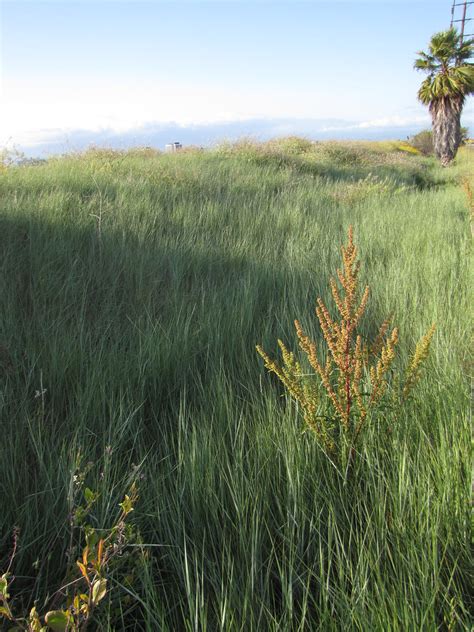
127, 73
156, 136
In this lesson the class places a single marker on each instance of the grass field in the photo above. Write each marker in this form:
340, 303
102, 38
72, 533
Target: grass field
134, 288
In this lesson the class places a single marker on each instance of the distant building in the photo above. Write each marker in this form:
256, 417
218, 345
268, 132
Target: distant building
172, 147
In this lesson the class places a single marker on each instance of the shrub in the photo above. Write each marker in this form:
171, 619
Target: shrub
86, 580
423, 141
351, 379
464, 135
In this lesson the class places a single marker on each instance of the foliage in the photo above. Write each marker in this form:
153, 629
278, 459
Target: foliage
355, 375
423, 141
86, 582
464, 135
141, 344
450, 73
450, 80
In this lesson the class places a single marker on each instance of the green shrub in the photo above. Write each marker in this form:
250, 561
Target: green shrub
423, 141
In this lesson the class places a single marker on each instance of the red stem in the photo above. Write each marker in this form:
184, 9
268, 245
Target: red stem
348, 379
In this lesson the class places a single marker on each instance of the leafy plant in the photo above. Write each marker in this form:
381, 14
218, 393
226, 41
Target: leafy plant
352, 376
86, 582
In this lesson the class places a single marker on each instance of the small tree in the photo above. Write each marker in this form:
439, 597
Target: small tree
450, 80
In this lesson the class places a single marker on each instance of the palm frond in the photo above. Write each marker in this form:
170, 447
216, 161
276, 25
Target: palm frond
450, 75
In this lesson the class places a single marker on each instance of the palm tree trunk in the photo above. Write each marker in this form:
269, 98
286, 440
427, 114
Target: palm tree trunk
446, 117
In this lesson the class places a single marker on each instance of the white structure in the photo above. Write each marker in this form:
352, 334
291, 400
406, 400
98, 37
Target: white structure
172, 147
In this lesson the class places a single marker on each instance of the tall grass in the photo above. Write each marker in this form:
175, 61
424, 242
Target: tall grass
133, 290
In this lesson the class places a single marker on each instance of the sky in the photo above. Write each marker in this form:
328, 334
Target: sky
116, 71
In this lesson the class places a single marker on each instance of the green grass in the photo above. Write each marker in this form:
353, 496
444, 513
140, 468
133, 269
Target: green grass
134, 288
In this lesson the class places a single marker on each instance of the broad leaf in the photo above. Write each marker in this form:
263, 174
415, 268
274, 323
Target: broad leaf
57, 620
99, 589
89, 495
4, 585
5, 612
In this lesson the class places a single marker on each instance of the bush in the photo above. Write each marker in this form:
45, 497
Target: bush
423, 141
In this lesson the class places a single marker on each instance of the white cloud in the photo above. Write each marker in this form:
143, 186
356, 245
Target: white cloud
34, 124
395, 121
384, 122
31, 108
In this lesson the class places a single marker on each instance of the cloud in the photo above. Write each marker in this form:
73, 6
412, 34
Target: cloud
396, 121
43, 142
388, 122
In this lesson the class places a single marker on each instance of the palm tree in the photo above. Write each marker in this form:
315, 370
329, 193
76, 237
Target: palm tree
450, 80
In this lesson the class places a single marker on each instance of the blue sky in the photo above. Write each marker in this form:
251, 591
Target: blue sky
113, 68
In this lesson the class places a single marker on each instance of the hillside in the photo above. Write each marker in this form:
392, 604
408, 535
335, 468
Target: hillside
134, 288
